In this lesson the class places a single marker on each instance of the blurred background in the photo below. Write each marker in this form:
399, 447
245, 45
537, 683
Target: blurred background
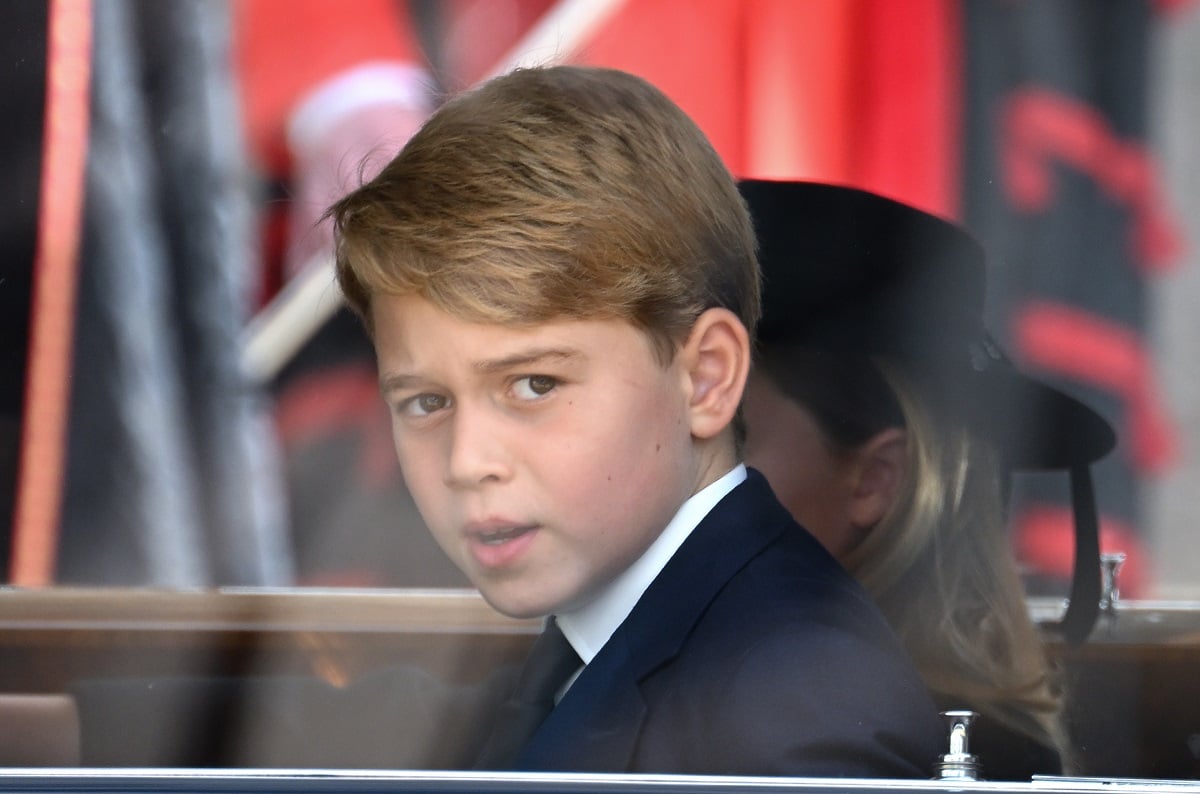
185, 404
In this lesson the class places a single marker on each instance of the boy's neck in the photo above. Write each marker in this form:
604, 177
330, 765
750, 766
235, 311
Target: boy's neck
589, 625
716, 457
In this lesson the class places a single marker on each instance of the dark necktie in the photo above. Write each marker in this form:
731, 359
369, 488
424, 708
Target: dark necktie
550, 664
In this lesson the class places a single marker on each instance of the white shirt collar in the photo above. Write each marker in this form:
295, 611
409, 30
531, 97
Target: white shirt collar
589, 627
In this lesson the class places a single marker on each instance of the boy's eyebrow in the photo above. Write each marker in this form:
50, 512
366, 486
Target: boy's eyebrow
524, 358
389, 383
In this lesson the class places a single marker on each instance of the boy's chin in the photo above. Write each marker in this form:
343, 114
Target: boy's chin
520, 606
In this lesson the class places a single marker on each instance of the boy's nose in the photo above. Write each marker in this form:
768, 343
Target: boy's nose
477, 452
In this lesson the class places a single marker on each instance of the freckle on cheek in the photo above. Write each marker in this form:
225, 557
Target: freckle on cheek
657, 447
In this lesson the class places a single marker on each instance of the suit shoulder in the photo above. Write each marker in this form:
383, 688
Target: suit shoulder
805, 677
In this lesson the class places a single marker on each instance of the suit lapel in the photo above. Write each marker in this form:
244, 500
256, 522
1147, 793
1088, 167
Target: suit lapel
595, 727
734, 532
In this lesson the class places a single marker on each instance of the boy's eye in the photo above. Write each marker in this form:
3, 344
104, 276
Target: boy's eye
423, 404
531, 387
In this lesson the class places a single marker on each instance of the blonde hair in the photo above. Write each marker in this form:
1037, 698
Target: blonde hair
552, 193
941, 566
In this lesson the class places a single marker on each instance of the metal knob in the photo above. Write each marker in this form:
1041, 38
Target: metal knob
1110, 593
959, 763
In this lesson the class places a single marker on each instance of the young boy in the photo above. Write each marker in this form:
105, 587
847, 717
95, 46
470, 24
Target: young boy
560, 281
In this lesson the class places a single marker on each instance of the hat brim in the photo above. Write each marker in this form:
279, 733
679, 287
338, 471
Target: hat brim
1037, 426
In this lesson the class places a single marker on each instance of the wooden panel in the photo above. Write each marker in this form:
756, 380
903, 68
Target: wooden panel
1133, 692
49, 638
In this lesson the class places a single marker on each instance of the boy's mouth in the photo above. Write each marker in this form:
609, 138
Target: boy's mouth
497, 531
496, 544
499, 536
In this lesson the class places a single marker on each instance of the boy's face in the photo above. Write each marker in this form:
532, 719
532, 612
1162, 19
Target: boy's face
544, 460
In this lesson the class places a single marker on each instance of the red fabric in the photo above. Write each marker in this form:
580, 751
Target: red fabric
861, 92
1042, 127
1094, 349
477, 34
799, 96
692, 51
285, 48
847, 91
909, 98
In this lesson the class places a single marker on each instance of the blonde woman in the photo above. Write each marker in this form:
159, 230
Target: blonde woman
886, 422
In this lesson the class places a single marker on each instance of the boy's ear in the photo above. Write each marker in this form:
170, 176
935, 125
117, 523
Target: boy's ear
880, 466
716, 359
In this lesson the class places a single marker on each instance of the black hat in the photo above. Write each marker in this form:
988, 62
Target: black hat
847, 270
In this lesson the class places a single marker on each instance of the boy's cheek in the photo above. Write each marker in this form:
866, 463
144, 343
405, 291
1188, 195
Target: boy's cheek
419, 470
411, 451
418, 474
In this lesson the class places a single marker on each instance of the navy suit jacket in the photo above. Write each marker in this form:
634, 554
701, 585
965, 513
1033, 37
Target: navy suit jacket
753, 652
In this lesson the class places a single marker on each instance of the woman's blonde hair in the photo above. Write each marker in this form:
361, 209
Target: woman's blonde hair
941, 566
940, 563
